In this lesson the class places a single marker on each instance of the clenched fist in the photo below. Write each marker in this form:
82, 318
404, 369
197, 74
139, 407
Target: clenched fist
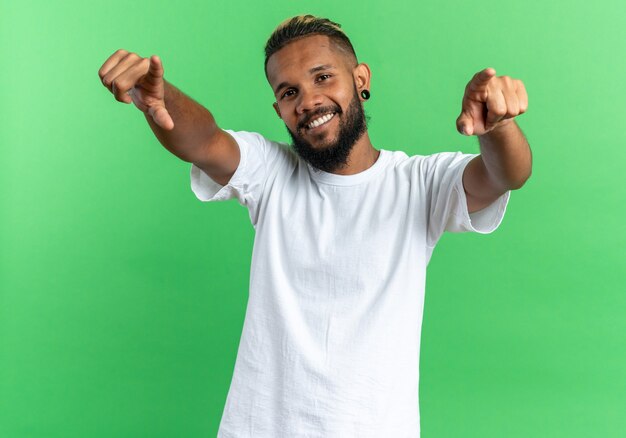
132, 78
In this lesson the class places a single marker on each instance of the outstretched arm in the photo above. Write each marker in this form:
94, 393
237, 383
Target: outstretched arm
489, 106
195, 136
183, 126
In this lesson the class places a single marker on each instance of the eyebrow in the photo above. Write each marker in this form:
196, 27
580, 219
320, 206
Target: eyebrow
311, 71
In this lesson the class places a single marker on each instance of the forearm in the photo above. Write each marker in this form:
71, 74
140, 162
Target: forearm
506, 155
194, 125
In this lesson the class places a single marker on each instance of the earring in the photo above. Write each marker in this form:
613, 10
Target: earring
365, 94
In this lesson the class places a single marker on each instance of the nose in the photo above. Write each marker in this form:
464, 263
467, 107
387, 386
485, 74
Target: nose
308, 100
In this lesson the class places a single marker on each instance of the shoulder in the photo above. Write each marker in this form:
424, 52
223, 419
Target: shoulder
259, 146
444, 162
428, 167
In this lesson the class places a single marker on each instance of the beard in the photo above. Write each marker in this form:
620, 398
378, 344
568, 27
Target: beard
334, 155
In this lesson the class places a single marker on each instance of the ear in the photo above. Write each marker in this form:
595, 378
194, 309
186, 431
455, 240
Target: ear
362, 75
275, 105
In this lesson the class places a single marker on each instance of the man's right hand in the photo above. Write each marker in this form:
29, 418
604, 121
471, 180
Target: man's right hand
132, 78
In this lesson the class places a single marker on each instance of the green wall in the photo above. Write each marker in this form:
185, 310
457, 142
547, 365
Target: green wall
122, 296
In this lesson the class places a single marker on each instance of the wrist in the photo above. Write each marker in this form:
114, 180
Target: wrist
503, 127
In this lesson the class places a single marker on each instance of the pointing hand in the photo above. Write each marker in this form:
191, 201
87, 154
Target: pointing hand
133, 79
489, 102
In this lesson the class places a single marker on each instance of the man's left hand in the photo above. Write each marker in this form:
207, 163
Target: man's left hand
490, 102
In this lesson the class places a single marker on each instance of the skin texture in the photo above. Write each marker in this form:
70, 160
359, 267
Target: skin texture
334, 155
303, 95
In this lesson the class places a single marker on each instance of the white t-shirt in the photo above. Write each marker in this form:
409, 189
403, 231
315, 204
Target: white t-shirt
331, 337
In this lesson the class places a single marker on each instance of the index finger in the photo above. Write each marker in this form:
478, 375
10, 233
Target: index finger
111, 62
155, 70
483, 76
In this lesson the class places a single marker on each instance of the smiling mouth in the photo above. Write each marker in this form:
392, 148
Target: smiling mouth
320, 121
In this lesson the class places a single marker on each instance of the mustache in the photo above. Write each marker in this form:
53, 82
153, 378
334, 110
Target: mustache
316, 114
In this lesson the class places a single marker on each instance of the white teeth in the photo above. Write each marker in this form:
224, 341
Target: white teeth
315, 123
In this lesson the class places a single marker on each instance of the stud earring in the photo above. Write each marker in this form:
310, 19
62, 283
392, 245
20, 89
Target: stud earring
365, 94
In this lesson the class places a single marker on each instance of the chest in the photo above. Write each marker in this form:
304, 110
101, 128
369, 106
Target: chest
345, 237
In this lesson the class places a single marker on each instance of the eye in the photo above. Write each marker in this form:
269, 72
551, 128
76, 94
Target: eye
324, 76
286, 93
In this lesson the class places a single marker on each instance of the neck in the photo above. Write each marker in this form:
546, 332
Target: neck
362, 157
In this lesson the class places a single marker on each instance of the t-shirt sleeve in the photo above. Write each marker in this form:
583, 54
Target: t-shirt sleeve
247, 183
447, 203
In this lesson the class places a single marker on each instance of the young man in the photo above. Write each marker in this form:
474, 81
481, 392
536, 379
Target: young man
344, 232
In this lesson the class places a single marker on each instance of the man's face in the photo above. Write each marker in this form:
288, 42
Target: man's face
310, 79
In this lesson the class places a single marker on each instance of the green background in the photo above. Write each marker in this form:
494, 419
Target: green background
123, 296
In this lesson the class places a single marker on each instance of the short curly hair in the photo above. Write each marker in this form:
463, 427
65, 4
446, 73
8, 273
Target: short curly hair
300, 26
